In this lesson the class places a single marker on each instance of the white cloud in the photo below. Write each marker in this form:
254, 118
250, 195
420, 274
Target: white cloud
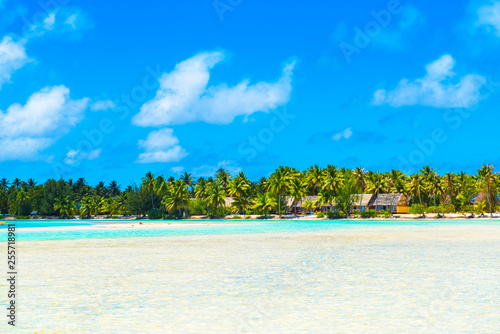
23, 148
102, 105
209, 170
61, 20
346, 134
177, 170
161, 146
50, 20
184, 97
489, 16
71, 20
74, 155
435, 88
12, 57
46, 111
47, 115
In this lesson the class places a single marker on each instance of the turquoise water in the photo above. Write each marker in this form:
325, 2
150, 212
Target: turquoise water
99, 230
46, 223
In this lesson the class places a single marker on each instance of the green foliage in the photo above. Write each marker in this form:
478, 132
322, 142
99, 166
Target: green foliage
155, 214
236, 217
320, 215
417, 209
333, 215
51, 191
23, 217
139, 201
385, 213
345, 200
197, 207
370, 213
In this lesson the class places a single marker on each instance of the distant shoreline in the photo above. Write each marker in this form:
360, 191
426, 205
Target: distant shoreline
396, 217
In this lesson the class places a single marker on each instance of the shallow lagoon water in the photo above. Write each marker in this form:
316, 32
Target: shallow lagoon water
29, 230
263, 277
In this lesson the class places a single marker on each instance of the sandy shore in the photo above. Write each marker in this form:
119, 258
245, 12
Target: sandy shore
381, 279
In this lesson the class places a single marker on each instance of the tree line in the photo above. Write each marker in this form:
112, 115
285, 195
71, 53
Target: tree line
159, 196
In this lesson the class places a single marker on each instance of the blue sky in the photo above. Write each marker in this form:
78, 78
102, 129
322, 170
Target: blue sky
112, 90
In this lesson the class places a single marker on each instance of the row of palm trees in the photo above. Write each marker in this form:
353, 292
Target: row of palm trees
182, 196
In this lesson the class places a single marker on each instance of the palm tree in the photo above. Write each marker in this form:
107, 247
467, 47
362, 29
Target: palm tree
216, 197
467, 191
188, 180
176, 197
148, 181
374, 185
238, 187
314, 178
264, 203
486, 179
417, 186
121, 202
65, 206
325, 197
279, 184
297, 190
114, 189
332, 179
86, 207
4, 184
16, 183
31, 183
223, 177
309, 205
359, 176
481, 207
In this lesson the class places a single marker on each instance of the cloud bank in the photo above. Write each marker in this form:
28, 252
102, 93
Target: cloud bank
184, 95
435, 89
26, 130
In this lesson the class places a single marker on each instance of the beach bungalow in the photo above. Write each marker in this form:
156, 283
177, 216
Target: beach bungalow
362, 202
396, 203
482, 197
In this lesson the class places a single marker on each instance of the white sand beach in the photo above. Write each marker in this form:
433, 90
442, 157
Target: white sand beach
385, 279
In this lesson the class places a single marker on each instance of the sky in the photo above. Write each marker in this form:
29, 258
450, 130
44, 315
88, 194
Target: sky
111, 90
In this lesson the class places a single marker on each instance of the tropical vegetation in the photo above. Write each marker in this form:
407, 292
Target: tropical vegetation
165, 196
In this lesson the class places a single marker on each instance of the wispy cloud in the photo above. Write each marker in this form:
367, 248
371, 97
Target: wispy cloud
60, 21
161, 146
177, 170
184, 97
346, 134
435, 89
12, 57
73, 156
489, 17
33, 127
102, 105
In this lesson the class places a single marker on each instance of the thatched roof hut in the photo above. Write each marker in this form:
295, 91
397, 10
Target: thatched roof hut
390, 200
483, 197
361, 200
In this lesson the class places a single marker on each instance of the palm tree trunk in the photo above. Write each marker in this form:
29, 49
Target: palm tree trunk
423, 211
279, 204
